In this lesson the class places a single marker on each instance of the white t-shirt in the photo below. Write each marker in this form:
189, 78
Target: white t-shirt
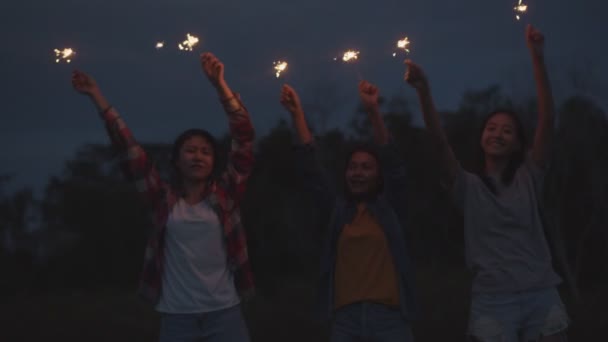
196, 277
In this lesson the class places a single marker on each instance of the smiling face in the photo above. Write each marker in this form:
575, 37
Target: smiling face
195, 160
500, 138
362, 176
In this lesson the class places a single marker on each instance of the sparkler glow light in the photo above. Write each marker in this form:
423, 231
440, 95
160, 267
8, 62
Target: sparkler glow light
403, 44
160, 45
64, 55
189, 43
279, 67
520, 9
350, 55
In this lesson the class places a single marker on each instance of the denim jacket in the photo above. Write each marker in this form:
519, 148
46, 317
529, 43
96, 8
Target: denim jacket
389, 208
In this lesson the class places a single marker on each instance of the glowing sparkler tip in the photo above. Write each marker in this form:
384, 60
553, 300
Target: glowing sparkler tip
160, 45
350, 55
65, 54
403, 44
189, 43
279, 67
520, 9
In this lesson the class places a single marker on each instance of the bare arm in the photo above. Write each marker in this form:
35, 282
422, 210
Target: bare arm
546, 108
308, 168
415, 77
291, 102
369, 98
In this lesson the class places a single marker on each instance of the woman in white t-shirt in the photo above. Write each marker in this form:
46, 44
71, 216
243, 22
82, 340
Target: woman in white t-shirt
196, 270
514, 295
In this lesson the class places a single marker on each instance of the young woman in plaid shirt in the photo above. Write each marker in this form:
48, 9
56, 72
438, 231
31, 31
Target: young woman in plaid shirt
196, 269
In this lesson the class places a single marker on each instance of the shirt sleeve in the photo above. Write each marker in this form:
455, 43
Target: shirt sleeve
536, 172
240, 158
134, 161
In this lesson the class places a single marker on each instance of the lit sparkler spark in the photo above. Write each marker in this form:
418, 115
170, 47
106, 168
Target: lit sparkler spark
189, 43
520, 9
279, 67
403, 44
350, 55
66, 55
160, 45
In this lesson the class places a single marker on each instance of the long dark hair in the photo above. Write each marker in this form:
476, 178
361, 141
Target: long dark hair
371, 150
515, 160
176, 177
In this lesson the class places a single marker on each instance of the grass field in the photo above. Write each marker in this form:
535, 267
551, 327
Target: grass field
286, 315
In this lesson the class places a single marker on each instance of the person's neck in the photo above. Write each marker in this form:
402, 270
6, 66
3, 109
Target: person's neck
194, 191
358, 199
495, 166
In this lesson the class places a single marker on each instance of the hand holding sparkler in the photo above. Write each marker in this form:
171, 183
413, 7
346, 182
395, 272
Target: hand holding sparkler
84, 83
369, 95
415, 76
213, 69
290, 100
535, 41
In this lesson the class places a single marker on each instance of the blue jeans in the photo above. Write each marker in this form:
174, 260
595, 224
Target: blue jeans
370, 322
512, 317
226, 325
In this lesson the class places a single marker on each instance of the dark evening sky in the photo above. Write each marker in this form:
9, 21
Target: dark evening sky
462, 45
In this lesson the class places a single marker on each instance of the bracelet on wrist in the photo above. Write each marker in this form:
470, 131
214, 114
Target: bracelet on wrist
104, 111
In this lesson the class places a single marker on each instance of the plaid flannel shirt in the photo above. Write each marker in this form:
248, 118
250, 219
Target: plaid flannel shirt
224, 195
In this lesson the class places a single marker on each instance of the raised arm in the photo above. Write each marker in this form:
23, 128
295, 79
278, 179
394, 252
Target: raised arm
240, 158
308, 168
291, 101
134, 161
393, 164
546, 108
369, 98
417, 79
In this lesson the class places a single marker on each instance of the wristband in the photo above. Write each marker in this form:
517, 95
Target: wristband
104, 111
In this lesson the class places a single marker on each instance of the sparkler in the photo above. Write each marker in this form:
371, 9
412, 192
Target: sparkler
520, 9
160, 45
403, 44
64, 55
351, 56
189, 43
279, 67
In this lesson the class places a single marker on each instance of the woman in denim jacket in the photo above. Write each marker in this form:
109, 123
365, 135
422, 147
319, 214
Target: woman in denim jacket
366, 277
